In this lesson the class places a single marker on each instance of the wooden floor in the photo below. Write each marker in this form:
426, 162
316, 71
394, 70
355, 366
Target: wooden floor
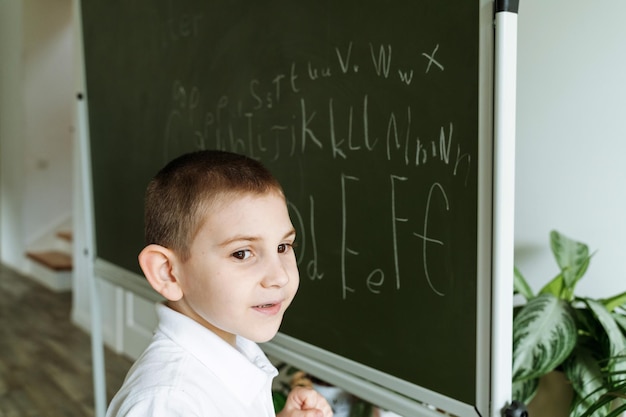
45, 361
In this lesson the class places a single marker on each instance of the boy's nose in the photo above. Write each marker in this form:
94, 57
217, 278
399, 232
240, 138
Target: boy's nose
276, 274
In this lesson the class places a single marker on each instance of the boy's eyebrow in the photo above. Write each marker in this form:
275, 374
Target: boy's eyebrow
239, 238
246, 238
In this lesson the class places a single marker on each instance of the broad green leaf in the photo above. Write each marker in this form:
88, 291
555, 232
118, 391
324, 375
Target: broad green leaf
588, 326
617, 343
572, 257
585, 375
520, 286
554, 287
544, 334
524, 391
613, 302
620, 319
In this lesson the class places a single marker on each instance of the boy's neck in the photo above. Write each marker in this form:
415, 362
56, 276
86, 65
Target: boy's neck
183, 308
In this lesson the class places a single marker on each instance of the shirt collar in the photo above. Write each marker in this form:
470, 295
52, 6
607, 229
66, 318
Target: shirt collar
244, 370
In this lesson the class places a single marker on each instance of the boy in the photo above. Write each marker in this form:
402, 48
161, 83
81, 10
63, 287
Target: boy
220, 250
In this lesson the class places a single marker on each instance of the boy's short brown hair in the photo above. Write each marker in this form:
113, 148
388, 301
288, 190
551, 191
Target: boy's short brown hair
180, 195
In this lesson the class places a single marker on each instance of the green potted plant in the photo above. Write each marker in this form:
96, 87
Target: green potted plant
584, 338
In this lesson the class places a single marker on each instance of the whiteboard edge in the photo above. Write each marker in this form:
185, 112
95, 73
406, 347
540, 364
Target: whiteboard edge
504, 208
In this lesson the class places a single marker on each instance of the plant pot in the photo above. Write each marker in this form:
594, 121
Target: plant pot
554, 396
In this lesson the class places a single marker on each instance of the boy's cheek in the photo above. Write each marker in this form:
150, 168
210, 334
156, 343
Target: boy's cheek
296, 283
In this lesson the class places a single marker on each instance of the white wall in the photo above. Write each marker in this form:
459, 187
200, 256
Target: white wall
571, 138
11, 127
48, 99
36, 93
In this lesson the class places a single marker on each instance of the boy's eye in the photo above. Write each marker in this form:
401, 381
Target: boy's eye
242, 254
284, 247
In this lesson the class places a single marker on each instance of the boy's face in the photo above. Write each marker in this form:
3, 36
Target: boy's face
242, 273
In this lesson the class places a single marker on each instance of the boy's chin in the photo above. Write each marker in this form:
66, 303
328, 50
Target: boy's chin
263, 337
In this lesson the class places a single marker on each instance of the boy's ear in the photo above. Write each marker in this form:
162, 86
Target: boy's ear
157, 264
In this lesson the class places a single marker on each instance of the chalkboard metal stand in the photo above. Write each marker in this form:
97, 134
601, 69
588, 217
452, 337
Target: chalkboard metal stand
504, 199
97, 341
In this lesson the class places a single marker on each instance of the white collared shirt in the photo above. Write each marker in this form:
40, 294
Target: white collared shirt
187, 370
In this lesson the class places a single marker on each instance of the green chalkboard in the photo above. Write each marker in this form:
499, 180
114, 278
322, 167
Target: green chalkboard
368, 113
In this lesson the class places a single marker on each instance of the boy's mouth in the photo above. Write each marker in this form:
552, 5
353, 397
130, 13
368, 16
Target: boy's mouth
268, 308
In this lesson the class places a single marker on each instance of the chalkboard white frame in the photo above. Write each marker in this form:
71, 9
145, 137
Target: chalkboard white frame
494, 239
